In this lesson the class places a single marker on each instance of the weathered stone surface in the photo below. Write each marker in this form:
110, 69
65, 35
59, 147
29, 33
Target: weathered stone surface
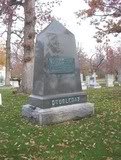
57, 114
110, 80
56, 67
57, 93
57, 100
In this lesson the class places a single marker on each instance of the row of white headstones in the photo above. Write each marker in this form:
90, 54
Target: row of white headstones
92, 82
2, 79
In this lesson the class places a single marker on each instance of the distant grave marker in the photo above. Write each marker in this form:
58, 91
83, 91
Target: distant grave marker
2, 76
110, 80
93, 81
0, 99
84, 85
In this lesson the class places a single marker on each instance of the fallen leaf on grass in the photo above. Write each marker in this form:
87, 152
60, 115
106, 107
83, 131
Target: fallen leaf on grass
109, 158
62, 145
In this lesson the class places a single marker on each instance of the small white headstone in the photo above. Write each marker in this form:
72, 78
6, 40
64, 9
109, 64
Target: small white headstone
2, 76
14, 84
93, 81
87, 80
109, 80
119, 76
81, 77
84, 86
0, 99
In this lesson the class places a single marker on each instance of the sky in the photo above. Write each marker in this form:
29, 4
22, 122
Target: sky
84, 32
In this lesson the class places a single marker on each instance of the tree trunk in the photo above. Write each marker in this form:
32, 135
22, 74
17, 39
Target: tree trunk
8, 52
29, 35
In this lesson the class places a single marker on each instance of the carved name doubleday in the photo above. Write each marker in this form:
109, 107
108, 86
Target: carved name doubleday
65, 101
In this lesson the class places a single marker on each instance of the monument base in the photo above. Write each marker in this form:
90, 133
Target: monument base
57, 114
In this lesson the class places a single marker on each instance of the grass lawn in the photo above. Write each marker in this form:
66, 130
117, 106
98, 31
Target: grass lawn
94, 138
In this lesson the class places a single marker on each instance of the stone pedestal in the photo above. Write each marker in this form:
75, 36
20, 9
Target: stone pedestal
57, 114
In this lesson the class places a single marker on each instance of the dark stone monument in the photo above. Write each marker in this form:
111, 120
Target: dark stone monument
57, 94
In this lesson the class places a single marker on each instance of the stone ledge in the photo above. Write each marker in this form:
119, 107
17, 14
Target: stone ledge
57, 114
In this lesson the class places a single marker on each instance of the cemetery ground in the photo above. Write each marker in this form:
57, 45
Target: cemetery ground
94, 138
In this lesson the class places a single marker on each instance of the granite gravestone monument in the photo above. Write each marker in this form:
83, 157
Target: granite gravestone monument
57, 94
